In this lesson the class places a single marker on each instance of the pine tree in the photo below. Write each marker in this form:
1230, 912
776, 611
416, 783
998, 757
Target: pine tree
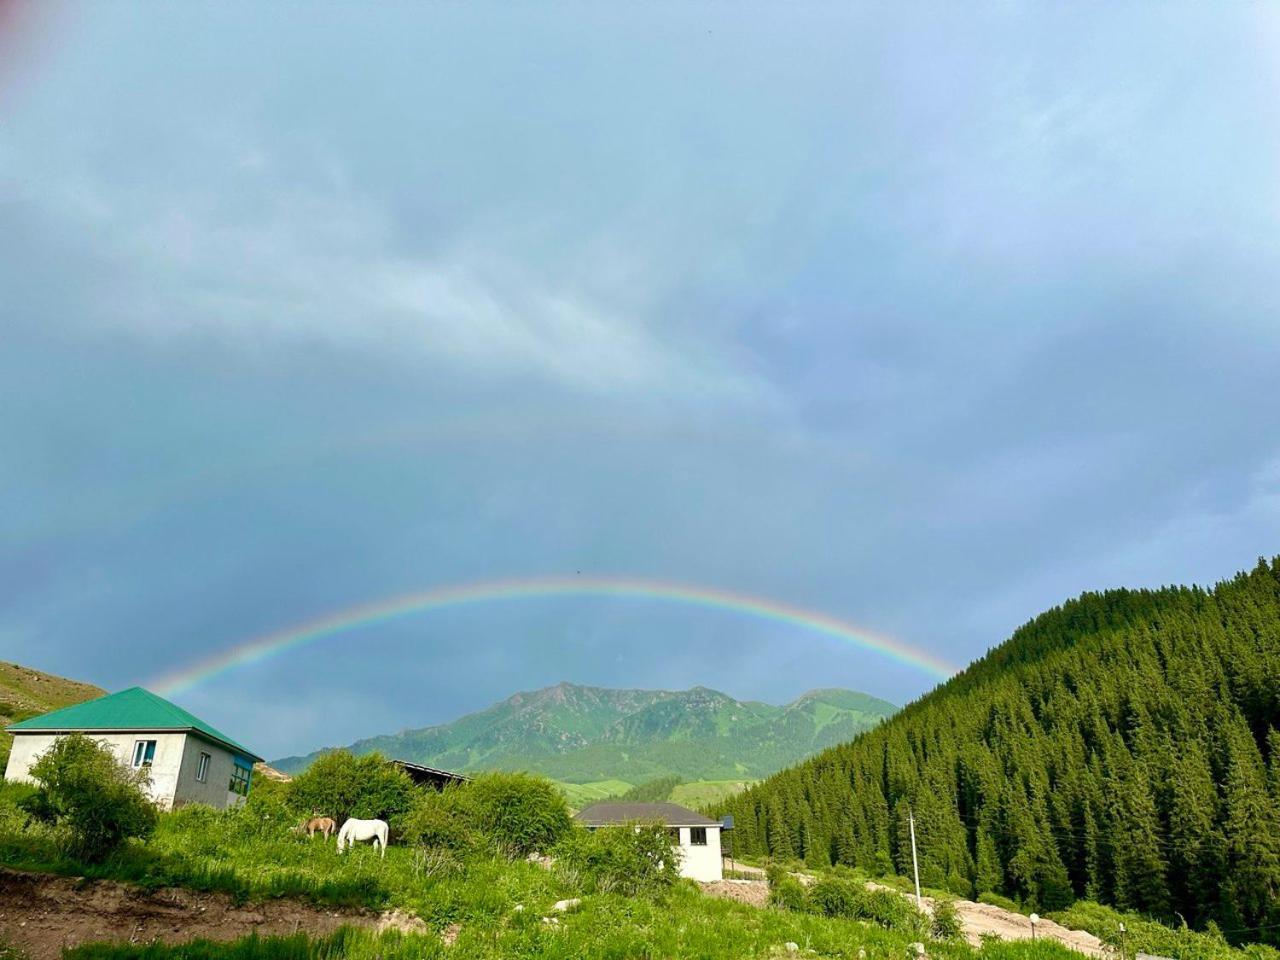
1122, 746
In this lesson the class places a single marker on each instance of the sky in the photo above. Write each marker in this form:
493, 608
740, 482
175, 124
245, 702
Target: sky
925, 317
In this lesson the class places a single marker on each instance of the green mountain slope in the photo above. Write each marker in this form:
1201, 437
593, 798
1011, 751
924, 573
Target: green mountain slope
28, 693
584, 734
1123, 747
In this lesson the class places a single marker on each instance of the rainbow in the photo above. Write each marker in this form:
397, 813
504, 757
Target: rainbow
273, 644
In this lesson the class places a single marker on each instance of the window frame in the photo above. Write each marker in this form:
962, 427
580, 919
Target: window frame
202, 767
239, 784
694, 833
144, 753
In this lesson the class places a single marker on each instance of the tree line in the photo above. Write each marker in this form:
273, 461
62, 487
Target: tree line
1122, 747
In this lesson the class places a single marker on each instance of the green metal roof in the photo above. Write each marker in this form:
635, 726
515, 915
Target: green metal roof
132, 709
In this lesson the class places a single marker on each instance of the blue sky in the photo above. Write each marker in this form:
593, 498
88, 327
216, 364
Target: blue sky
924, 316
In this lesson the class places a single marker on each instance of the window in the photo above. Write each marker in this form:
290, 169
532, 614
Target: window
239, 781
697, 836
202, 768
144, 752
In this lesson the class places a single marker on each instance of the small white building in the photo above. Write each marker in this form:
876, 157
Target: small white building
188, 760
695, 838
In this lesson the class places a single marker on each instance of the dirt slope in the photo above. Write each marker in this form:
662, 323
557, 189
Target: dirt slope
41, 914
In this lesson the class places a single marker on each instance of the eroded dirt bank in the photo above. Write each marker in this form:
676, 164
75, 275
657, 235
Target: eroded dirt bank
41, 914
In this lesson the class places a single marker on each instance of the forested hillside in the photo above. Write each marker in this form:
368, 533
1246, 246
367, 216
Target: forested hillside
1121, 747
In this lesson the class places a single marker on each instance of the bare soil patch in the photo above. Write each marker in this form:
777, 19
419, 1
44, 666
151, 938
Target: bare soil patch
754, 892
42, 914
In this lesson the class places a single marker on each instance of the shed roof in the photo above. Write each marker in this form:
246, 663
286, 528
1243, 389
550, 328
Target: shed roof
132, 709
421, 773
671, 814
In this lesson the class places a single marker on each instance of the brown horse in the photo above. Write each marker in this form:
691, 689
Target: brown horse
325, 825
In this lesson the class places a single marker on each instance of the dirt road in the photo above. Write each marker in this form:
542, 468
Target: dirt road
983, 919
977, 919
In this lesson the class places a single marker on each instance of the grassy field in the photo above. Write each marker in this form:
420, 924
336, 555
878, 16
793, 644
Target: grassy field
703, 793
582, 795
497, 904
682, 924
695, 794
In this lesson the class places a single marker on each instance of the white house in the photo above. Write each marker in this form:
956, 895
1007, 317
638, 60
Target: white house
695, 837
188, 760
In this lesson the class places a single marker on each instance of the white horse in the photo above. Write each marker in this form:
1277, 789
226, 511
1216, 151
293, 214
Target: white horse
355, 831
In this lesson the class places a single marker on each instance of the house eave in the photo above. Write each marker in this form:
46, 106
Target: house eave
193, 731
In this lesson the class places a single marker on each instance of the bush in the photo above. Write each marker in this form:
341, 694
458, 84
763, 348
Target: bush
341, 785
1145, 935
84, 790
628, 859
518, 812
834, 898
946, 921
892, 911
785, 891
437, 821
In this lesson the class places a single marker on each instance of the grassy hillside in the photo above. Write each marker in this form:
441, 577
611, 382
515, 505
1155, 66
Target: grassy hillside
488, 901
1123, 747
582, 735
25, 692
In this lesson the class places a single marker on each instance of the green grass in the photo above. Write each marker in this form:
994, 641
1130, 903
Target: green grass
1147, 936
252, 855
703, 793
696, 794
681, 923
580, 795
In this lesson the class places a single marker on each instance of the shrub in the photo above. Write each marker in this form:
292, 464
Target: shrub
518, 812
785, 891
892, 911
341, 785
437, 820
628, 859
1145, 935
834, 898
846, 898
946, 921
86, 791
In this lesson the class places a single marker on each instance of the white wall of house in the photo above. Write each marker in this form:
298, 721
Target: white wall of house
173, 768
701, 861
214, 790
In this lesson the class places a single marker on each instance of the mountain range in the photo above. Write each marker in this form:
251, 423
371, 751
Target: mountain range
582, 734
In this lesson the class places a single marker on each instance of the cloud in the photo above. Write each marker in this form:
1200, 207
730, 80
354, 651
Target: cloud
324, 270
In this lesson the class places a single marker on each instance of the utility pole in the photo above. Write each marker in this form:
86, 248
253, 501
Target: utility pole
915, 863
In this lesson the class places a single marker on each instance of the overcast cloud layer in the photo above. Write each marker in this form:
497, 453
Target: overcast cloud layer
926, 318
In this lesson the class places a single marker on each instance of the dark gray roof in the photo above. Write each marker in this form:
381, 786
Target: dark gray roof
671, 814
420, 772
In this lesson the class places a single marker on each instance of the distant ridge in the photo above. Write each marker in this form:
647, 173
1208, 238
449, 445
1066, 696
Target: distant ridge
581, 734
